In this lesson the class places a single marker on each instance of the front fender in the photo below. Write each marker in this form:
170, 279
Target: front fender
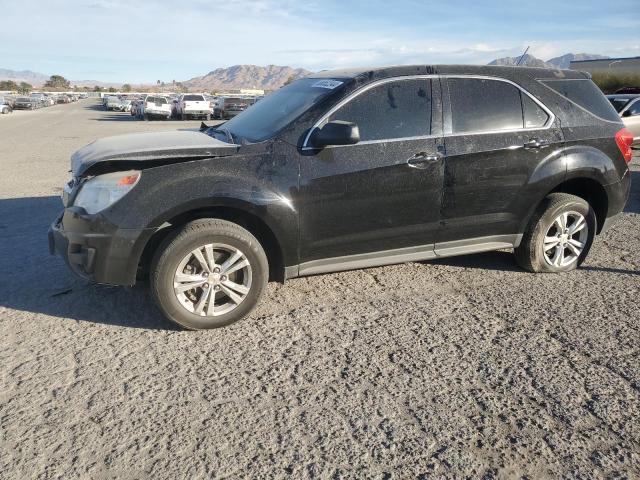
251, 184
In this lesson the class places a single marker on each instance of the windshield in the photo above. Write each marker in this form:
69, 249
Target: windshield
618, 103
193, 98
278, 109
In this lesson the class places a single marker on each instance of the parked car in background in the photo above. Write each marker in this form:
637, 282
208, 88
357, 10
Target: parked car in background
5, 106
233, 109
63, 99
125, 106
26, 103
229, 107
156, 106
174, 107
39, 99
628, 107
112, 103
136, 107
192, 105
627, 90
10, 100
345, 170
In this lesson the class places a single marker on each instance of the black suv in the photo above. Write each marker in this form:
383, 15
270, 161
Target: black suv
345, 170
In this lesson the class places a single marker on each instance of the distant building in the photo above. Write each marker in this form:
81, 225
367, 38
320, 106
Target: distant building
626, 66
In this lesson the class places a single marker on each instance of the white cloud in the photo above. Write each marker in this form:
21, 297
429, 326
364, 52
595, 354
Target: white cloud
145, 40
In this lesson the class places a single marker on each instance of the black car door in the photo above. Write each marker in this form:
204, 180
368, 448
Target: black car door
495, 137
382, 194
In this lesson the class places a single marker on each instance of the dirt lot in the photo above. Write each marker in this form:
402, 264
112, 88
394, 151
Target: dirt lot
465, 367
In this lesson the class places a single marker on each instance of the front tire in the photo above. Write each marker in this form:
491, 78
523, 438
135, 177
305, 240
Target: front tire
559, 235
208, 274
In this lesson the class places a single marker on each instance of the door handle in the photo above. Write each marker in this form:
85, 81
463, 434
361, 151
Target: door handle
535, 142
422, 160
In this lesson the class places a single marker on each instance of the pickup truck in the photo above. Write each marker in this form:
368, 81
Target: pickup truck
155, 106
193, 106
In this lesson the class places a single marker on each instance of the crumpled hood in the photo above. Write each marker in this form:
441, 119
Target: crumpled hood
160, 147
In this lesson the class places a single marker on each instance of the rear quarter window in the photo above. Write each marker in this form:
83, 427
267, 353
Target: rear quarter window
586, 95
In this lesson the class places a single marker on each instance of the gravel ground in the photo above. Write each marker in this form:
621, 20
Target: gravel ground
464, 367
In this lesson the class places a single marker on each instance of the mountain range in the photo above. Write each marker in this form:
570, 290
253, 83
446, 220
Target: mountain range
38, 79
34, 78
562, 61
270, 77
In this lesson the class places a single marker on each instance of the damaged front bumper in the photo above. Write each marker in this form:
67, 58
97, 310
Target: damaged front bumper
95, 249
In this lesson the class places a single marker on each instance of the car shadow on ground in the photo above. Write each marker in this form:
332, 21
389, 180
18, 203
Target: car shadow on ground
37, 282
504, 261
499, 260
41, 283
95, 106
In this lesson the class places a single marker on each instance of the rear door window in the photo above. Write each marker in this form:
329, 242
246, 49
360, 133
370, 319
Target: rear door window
481, 105
585, 94
397, 109
193, 98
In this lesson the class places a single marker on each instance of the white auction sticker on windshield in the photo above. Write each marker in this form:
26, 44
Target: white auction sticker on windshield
330, 84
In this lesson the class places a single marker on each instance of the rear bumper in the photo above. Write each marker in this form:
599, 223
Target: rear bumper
196, 112
96, 250
157, 113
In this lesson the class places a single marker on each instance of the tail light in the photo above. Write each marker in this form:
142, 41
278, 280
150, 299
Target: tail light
624, 139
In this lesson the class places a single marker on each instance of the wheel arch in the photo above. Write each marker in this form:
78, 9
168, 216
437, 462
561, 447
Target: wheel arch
246, 215
585, 187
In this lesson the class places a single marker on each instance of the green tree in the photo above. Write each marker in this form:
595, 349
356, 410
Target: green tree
58, 81
291, 79
112, 90
126, 87
9, 85
25, 87
97, 88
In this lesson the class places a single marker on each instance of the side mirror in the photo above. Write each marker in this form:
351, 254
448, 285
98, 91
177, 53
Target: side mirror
336, 133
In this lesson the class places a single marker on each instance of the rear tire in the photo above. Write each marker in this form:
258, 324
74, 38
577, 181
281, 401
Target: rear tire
559, 235
235, 271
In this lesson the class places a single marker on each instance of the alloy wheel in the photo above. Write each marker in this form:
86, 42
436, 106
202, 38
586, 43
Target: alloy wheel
212, 280
565, 239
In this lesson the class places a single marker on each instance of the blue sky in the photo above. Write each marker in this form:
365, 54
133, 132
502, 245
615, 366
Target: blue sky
145, 40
